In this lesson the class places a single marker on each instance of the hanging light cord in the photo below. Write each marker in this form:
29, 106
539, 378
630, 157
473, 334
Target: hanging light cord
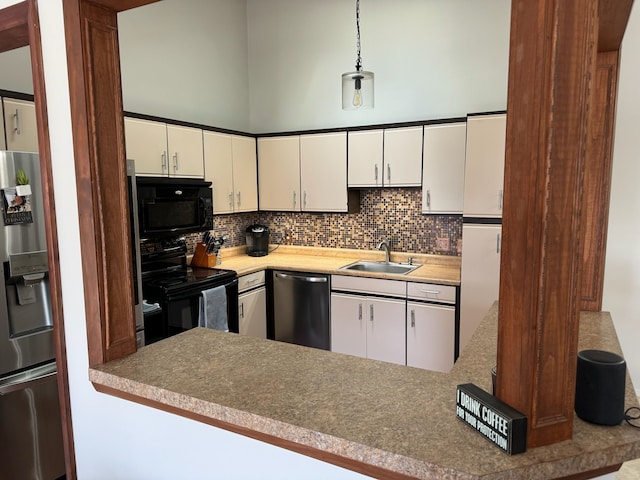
358, 60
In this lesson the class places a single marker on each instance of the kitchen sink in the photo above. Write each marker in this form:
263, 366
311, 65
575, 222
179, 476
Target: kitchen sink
380, 267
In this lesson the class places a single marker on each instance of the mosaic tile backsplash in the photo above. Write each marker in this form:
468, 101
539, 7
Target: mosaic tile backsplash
385, 213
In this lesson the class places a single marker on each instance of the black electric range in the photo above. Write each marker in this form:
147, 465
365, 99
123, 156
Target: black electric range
176, 287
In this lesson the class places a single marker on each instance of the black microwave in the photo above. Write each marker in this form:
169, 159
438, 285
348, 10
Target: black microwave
173, 206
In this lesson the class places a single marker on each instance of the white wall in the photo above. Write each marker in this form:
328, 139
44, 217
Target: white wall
187, 61
431, 59
622, 269
282, 72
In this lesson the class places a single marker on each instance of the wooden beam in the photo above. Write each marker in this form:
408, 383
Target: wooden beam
14, 31
614, 16
552, 58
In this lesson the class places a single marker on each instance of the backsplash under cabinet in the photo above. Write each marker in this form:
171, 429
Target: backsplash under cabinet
392, 213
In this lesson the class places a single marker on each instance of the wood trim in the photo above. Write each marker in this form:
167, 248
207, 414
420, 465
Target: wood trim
597, 178
553, 51
613, 18
14, 30
96, 111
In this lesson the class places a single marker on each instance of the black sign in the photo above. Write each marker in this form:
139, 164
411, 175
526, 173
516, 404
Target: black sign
502, 425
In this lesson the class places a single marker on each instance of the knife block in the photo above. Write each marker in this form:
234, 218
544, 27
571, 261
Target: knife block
201, 258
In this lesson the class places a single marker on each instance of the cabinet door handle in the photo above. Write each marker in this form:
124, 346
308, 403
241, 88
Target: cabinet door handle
376, 173
371, 312
500, 199
360, 311
239, 200
498, 243
413, 318
242, 310
428, 198
432, 292
304, 199
165, 166
231, 200
388, 173
17, 121
294, 199
175, 161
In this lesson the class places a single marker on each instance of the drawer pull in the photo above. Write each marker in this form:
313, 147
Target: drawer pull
432, 292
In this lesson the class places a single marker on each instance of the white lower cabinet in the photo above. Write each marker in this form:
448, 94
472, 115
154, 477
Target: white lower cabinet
385, 330
252, 305
430, 336
368, 327
408, 323
348, 327
479, 276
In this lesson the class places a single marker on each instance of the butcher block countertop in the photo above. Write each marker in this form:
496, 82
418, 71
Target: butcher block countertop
440, 269
377, 418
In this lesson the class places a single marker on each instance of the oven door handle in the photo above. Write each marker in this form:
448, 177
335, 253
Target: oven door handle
190, 292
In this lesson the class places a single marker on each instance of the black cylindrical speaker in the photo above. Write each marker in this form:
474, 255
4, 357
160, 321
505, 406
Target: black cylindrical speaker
600, 387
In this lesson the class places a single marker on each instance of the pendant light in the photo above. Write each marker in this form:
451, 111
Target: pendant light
357, 87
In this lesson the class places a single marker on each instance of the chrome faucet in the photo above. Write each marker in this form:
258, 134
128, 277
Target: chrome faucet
384, 245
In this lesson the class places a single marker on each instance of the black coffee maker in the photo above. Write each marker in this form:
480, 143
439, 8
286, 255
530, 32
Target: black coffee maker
257, 240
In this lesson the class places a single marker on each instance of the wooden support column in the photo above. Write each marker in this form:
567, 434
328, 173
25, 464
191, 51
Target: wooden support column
98, 135
552, 58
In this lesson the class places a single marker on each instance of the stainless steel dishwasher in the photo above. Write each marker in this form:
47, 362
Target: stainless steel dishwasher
301, 309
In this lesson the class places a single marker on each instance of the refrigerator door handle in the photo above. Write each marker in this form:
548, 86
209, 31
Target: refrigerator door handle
27, 379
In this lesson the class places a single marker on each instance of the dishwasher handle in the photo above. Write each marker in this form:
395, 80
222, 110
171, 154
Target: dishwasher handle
31, 378
304, 278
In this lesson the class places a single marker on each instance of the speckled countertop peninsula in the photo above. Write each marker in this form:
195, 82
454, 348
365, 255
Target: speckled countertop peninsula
377, 418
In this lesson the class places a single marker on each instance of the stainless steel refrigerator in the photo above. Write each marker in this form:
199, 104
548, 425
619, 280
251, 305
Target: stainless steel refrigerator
31, 445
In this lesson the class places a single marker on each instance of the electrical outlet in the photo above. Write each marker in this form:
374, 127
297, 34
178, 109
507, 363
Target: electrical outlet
442, 244
288, 237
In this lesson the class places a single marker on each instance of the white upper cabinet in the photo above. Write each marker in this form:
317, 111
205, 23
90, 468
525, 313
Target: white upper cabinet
164, 150
146, 144
230, 166
443, 168
218, 169
323, 172
186, 157
403, 157
279, 173
245, 173
385, 158
484, 170
365, 158
20, 125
